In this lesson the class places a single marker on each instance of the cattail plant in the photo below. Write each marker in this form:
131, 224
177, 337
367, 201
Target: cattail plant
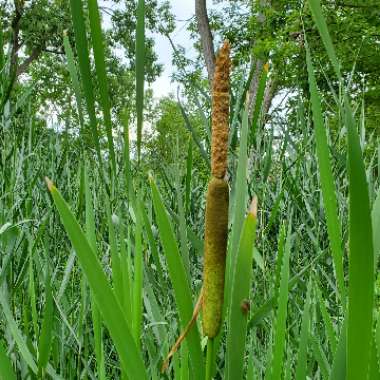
216, 224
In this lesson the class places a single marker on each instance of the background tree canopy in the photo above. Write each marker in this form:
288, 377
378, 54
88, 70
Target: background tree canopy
259, 31
247, 200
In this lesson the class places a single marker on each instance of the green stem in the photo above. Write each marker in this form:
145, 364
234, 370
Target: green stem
209, 358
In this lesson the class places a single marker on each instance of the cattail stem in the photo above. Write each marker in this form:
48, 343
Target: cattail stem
209, 358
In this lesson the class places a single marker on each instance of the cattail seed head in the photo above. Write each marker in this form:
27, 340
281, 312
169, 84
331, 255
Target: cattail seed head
216, 232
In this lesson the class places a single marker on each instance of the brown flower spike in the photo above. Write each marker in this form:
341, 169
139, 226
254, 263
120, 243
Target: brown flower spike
220, 112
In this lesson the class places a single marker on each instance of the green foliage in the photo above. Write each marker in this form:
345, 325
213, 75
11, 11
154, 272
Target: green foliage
108, 301
105, 297
40, 27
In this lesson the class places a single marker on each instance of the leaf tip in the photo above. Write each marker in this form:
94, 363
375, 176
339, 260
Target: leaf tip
49, 184
253, 207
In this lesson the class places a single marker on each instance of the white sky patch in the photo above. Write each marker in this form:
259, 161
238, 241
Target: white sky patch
183, 11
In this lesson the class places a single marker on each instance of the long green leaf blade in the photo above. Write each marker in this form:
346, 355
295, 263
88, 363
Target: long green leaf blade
338, 370
74, 78
280, 323
180, 281
316, 11
96, 318
140, 70
361, 259
327, 181
46, 335
100, 66
17, 335
239, 201
237, 323
6, 369
84, 66
105, 298
301, 369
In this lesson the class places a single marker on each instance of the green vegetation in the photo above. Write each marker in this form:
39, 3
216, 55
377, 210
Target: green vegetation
102, 235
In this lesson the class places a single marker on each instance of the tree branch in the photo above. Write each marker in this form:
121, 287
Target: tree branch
23, 67
269, 94
207, 41
15, 25
350, 5
16, 34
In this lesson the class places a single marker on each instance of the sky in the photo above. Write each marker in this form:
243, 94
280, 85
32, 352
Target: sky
183, 11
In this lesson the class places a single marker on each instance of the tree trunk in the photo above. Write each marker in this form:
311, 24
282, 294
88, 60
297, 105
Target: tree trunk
206, 37
271, 83
14, 53
270, 92
254, 86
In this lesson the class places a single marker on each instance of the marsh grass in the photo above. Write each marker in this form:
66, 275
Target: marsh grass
99, 274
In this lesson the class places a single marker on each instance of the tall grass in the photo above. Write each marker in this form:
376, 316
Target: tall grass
100, 273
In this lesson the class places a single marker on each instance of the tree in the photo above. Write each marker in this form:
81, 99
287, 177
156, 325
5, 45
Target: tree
273, 31
33, 33
168, 135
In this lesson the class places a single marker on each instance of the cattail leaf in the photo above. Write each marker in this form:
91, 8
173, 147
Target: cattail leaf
238, 204
239, 311
6, 369
377, 338
361, 251
140, 70
376, 227
106, 300
316, 11
17, 335
264, 310
301, 369
327, 181
79, 26
338, 370
2, 58
153, 246
115, 258
276, 364
46, 335
96, 317
374, 371
361, 259
179, 280
319, 356
138, 267
74, 78
100, 66
329, 328
20, 340
189, 168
